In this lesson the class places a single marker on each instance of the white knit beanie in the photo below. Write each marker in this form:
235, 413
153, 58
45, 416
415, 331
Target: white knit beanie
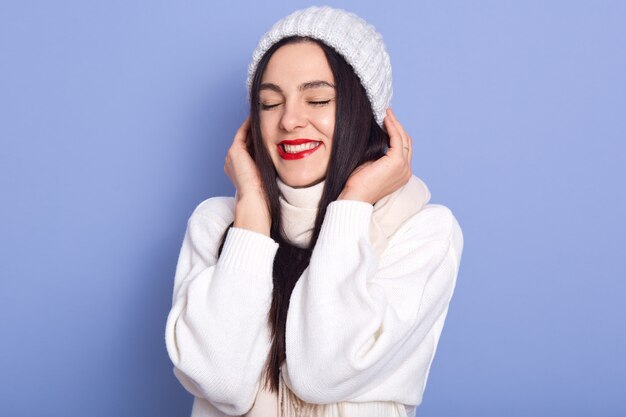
355, 39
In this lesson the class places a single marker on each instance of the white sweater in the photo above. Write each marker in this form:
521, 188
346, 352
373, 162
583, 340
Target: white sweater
361, 326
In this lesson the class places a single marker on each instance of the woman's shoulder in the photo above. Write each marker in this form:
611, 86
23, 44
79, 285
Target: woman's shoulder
417, 215
220, 209
433, 222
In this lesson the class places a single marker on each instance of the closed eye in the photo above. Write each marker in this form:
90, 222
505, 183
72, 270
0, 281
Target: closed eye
267, 106
313, 103
319, 103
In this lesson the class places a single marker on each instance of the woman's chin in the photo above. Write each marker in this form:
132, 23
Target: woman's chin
301, 182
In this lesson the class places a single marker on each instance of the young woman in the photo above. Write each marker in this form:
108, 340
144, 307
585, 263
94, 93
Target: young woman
322, 287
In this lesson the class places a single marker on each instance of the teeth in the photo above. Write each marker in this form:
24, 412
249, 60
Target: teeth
300, 148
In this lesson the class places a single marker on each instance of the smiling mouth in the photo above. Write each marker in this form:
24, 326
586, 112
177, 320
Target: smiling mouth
291, 152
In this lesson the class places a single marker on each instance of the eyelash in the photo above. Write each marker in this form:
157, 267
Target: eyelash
314, 103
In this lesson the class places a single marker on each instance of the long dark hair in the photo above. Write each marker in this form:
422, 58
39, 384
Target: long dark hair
357, 138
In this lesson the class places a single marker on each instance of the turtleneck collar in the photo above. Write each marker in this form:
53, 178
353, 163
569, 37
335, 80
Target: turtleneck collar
299, 207
303, 198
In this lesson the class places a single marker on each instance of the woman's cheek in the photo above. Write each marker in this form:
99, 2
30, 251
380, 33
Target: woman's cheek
326, 123
268, 123
266, 131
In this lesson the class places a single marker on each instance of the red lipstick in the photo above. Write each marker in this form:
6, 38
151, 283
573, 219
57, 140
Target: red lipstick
299, 155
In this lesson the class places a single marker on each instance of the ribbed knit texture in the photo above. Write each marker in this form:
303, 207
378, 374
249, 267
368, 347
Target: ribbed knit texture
358, 41
251, 252
362, 328
347, 220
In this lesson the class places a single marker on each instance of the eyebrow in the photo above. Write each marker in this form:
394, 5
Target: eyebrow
304, 86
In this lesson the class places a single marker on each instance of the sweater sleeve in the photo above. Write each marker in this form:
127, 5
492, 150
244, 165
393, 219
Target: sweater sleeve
364, 328
216, 334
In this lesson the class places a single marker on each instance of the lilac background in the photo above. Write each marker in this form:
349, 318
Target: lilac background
115, 120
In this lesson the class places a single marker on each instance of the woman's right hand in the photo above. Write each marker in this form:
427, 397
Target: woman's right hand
240, 167
251, 211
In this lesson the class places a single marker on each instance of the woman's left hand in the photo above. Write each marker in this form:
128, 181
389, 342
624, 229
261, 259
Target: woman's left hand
373, 180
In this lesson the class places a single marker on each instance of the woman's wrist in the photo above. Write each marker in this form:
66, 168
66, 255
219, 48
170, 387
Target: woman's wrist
348, 194
252, 214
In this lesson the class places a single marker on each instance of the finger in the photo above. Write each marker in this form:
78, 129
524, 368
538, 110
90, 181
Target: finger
407, 140
410, 148
395, 139
401, 131
242, 132
403, 140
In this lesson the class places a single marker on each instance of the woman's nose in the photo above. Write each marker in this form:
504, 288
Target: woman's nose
294, 116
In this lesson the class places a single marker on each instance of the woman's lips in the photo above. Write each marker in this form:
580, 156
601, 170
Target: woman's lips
298, 155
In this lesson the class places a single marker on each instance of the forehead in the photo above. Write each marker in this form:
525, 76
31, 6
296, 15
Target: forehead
293, 64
